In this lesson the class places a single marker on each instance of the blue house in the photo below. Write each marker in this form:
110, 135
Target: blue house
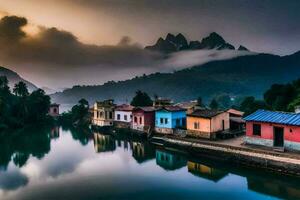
169, 118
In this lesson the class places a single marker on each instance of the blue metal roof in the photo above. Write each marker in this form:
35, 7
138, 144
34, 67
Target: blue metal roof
275, 117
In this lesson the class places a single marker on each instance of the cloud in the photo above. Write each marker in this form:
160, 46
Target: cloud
58, 47
56, 58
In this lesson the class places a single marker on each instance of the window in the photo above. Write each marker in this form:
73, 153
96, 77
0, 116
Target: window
140, 120
135, 119
97, 114
55, 110
161, 120
257, 129
125, 117
110, 115
196, 125
101, 114
118, 116
166, 120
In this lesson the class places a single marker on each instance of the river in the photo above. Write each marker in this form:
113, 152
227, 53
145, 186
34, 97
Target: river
57, 163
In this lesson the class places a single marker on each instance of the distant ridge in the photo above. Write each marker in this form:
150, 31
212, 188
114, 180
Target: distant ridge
240, 76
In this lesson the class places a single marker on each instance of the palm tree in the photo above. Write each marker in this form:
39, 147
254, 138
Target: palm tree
20, 89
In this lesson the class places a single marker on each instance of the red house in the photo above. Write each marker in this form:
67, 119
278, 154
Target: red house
273, 129
143, 119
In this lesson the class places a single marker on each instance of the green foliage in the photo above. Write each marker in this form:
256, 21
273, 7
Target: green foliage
214, 104
279, 96
141, 99
23, 108
20, 89
78, 116
224, 101
250, 105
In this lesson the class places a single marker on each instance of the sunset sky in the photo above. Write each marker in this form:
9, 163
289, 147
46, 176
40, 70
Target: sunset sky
88, 34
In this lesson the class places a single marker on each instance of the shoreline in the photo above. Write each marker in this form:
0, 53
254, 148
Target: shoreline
280, 163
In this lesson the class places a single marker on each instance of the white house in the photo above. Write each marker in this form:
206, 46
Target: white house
123, 115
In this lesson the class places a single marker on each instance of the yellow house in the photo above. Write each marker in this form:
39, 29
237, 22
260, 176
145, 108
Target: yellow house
104, 113
207, 123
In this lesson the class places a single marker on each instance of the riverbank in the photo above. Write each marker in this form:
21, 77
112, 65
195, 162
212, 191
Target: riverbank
233, 151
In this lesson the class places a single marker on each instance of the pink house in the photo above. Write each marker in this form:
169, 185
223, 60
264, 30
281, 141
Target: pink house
143, 119
273, 129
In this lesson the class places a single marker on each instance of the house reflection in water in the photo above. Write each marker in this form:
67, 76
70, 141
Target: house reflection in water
142, 152
205, 171
274, 187
169, 161
54, 134
103, 143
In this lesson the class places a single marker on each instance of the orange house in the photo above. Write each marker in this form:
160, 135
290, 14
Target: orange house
207, 123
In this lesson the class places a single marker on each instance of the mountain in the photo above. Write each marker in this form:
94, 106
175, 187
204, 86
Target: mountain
14, 78
240, 76
242, 48
176, 43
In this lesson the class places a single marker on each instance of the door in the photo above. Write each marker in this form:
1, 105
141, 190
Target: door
278, 137
223, 125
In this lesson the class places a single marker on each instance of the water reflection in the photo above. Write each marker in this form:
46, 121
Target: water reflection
205, 171
103, 143
35, 164
169, 161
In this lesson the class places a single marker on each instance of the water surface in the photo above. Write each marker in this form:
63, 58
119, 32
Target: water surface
67, 164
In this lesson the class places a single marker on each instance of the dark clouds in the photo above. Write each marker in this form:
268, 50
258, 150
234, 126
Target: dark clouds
53, 46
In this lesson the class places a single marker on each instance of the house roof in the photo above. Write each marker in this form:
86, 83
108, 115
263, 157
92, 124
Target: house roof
54, 105
235, 112
275, 117
105, 103
206, 113
124, 107
171, 108
145, 109
188, 104
237, 119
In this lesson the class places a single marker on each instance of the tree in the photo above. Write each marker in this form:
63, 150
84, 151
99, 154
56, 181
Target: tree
141, 99
200, 102
20, 89
214, 104
38, 104
224, 100
250, 105
279, 96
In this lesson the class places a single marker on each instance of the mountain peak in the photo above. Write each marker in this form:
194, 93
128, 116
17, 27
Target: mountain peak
174, 43
242, 48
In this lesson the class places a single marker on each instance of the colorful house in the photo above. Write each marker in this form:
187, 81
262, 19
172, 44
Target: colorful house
123, 116
168, 118
54, 110
104, 113
273, 129
143, 119
207, 123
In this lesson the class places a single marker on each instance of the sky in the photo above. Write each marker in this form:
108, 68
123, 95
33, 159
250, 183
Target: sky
60, 43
